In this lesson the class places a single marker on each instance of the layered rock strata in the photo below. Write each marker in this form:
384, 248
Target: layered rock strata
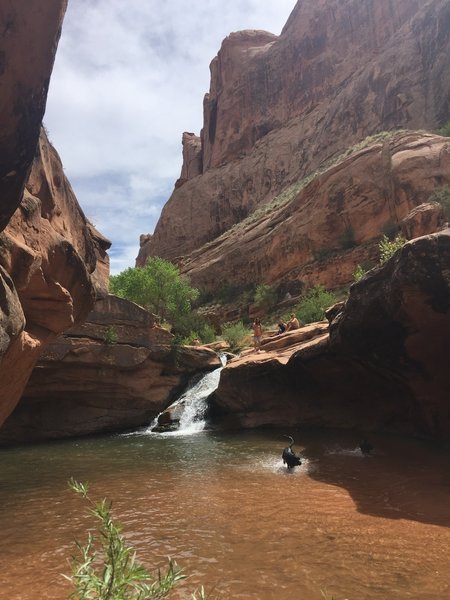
320, 229
47, 250
278, 107
115, 371
383, 366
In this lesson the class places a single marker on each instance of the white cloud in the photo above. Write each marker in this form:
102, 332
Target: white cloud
129, 78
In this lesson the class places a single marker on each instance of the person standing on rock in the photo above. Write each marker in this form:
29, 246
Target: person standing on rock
257, 334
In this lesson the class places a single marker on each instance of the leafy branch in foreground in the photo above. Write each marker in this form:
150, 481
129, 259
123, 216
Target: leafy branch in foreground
106, 567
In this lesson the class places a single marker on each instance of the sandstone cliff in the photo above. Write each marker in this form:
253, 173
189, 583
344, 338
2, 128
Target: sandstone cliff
115, 371
280, 107
382, 367
323, 227
48, 250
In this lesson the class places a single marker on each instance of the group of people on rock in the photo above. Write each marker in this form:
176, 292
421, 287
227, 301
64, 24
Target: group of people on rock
292, 324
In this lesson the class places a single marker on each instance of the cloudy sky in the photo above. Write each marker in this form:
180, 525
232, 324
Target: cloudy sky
129, 78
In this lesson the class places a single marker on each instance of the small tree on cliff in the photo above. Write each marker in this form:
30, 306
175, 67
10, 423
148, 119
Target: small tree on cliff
158, 287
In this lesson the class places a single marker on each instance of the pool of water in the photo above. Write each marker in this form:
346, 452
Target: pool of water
225, 507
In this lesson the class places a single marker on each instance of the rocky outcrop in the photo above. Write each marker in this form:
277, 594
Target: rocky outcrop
423, 219
50, 252
47, 250
30, 36
192, 158
383, 366
324, 226
279, 107
115, 371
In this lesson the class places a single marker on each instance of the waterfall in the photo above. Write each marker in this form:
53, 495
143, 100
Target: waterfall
188, 411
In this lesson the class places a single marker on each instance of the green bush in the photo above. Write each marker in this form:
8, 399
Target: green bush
359, 273
442, 195
206, 335
313, 303
265, 297
445, 129
190, 326
105, 568
389, 247
158, 287
235, 334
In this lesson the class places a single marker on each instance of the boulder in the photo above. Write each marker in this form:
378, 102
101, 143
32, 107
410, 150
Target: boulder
382, 367
115, 371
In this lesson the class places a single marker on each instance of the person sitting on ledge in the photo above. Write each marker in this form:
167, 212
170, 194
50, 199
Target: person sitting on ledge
281, 327
293, 323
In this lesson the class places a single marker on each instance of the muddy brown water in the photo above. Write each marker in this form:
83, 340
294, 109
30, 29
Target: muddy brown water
227, 510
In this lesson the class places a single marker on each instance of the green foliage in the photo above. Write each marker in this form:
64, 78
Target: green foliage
265, 297
193, 326
359, 273
444, 130
158, 287
347, 238
313, 303
442, 195
235, 334
110, 338
205, 335
106, 567
389, 247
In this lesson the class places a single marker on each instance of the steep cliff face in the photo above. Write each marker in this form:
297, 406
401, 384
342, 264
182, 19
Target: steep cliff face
115, 371
383, 366
30, 36
48, 251
278, 107
320, 233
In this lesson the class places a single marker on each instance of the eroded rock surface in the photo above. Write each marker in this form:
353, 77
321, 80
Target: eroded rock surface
279, 107
384, 366
47, 251
115, 371
331, 222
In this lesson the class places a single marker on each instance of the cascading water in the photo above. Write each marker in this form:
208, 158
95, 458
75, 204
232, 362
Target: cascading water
189, 410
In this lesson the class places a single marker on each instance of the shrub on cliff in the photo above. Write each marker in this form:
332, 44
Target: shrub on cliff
389, 247
193, 326
445, 129
442, 195
313, 304
158, 287
235, 334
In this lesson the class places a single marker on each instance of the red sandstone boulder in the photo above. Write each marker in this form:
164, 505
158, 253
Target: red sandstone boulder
115, 371
384, 366
422, 220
